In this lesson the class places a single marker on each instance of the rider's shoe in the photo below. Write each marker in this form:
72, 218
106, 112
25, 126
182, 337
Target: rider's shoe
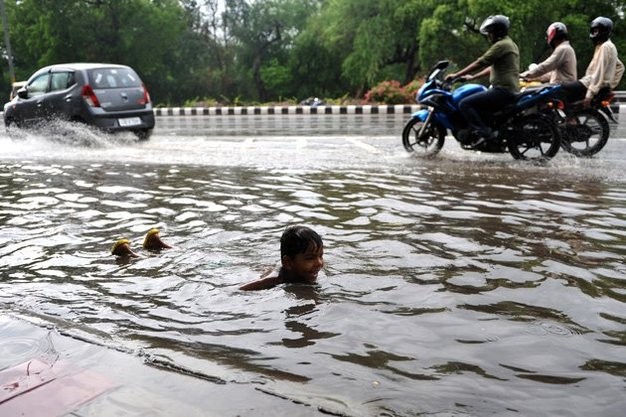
485, 135
479, 141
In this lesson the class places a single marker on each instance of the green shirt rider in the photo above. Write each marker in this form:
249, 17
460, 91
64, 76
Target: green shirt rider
501, 62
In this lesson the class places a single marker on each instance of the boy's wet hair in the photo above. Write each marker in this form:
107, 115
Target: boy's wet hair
297, 239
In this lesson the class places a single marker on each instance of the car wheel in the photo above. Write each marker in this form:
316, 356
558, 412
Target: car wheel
143, 134
12, 128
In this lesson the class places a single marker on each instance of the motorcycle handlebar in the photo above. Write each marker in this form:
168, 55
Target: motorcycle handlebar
451, 81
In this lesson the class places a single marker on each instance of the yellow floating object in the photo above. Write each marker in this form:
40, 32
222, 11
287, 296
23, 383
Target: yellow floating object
153, 240
151, 232
118, 244
122, 248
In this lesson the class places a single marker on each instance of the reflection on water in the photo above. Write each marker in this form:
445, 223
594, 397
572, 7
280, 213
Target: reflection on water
450, 289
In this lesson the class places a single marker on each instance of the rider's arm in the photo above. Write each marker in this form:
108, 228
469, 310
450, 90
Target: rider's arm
484, 73
483, 63
619, 71
550, 63
545, 78
476, 65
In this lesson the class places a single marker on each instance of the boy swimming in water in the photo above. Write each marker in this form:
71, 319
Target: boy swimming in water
301, 256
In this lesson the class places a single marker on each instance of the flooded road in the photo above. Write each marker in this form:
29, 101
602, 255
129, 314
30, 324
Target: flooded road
465, 285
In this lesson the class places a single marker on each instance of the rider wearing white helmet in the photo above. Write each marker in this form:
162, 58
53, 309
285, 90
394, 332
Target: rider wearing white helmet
560, 66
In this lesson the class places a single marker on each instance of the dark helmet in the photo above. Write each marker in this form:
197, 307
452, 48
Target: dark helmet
497, 26
600, 29
555, 32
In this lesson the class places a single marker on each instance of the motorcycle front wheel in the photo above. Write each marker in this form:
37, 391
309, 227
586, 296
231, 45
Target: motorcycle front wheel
585, 133
534, 138
429, 143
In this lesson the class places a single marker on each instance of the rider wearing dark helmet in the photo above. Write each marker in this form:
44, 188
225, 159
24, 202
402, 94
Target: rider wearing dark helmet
600, 29
501, 62
605, 69
560, 66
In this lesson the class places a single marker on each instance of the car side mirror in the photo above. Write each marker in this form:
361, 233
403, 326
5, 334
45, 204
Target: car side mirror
22, 92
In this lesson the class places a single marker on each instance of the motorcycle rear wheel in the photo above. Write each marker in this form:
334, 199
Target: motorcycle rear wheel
534, 138
431, 141
585, 133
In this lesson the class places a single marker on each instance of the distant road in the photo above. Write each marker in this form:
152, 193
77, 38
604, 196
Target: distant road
348, 121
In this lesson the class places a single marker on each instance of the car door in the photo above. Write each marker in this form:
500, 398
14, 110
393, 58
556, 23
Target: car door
30, 107
58, 100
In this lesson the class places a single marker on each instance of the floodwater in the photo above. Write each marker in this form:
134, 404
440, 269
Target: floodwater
465, 285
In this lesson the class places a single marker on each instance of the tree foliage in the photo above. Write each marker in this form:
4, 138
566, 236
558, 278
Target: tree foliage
264, 33
265, 50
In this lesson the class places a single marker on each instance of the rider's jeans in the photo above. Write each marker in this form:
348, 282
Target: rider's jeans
476, 106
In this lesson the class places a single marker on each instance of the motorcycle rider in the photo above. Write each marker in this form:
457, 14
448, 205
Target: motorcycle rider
560, 66
501, 62
605, 69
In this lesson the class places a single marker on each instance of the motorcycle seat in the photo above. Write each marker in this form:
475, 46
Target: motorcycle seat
531, 91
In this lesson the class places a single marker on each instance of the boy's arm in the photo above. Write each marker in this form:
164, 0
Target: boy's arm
262, 284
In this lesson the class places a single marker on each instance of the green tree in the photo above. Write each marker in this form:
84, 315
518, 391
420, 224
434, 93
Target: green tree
378, 39
450, 32
264, 32
315, 65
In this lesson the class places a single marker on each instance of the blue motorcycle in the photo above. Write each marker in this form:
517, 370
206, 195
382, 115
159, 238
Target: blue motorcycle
526, 128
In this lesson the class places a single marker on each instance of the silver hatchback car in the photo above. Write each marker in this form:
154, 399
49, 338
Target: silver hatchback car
109, 96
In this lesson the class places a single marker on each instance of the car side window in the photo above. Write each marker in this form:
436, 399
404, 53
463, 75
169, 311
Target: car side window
61, 80
38, 86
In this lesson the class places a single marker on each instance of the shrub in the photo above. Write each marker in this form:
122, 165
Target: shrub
412, 87
388, 92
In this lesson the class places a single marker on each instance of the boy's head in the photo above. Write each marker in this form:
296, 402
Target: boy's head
301, 252
296, 239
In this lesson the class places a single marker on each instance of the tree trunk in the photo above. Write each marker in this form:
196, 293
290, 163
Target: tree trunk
258, 82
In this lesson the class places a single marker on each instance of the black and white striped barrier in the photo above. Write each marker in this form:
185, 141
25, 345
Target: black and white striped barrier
278, 110
618, 109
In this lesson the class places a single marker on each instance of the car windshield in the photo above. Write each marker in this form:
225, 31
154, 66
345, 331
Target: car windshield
113, 78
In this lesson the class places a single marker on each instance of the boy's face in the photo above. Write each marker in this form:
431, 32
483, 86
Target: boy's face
304, 267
